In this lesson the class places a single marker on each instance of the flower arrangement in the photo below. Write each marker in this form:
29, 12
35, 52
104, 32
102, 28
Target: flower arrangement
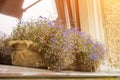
61, 48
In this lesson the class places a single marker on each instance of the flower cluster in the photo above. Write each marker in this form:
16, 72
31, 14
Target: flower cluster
61, 48
88, 52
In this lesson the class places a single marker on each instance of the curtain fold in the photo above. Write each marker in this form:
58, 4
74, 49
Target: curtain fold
68, 11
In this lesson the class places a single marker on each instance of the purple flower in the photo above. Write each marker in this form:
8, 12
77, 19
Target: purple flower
92, 51
40, 16
86, 42
96, 45
93, 56
81, 33
104, 48
51, 35
44, 42
66, 32
49, 23
38, 37
36, 23
20, 22
71, 46
53, 40
75, 30
101, 52
65, 50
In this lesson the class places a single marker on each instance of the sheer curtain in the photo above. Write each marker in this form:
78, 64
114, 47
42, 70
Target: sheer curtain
68, 11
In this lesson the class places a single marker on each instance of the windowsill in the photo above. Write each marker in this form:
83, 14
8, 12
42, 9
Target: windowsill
14, 71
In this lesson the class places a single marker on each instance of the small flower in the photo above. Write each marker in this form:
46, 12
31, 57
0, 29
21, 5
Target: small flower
66, 32
53, 40
65, 50
81, 33
49, 23
75, 30
101, 52
40, 17
51, 35
93, 56
20, 22
36, 23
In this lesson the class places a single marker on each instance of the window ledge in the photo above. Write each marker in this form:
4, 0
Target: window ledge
14, 71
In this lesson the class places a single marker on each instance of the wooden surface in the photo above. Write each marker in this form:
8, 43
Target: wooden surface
13, 72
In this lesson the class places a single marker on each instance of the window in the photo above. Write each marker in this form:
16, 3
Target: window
39, 9
85, 14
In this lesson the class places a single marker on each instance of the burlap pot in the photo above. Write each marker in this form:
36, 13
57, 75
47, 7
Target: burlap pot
25, 53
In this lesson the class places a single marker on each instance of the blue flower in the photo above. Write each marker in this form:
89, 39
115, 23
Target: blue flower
101, 52
49, 23
92, 51
96, 45
87, 42
93, 57
65, 50
66, 32
20, 22
51, 35
75, 30
81, 33
36, 23
53, 40
40, 17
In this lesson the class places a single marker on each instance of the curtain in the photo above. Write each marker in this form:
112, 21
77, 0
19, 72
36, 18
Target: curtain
68, 11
